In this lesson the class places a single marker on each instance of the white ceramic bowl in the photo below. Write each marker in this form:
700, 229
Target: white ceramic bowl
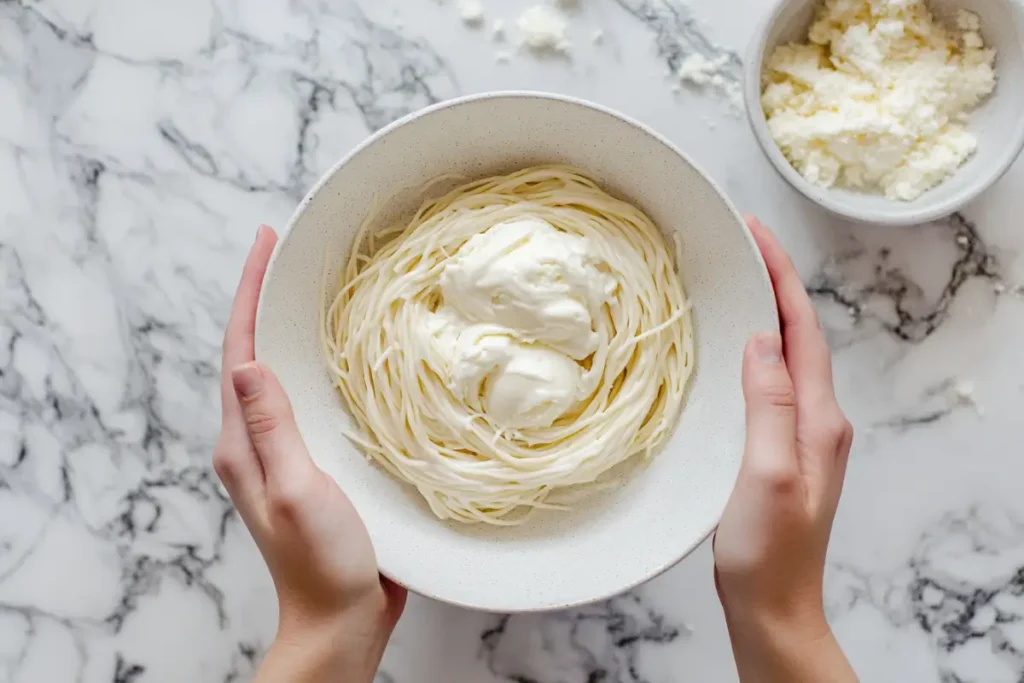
998, 123
611, 542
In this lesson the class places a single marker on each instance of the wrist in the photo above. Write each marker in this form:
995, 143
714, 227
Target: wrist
793, 619
791, 629
338, 649
754, 604
770, 649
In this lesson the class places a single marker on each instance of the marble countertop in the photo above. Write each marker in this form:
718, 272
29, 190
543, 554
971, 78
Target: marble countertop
140, 145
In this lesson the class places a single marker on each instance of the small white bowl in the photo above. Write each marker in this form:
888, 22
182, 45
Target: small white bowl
609, 543
998, 123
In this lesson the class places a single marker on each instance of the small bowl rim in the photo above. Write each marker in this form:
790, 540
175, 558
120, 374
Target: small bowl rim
685, 549
825, 197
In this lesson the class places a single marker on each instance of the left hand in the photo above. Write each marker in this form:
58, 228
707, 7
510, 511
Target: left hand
336, 611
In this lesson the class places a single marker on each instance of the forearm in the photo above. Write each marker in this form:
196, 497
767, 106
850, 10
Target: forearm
774, 652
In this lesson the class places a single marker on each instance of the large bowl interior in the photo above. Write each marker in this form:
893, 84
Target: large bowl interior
998, 123
613, 541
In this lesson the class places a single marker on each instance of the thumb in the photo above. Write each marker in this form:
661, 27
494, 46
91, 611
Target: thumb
771, 407
268, 418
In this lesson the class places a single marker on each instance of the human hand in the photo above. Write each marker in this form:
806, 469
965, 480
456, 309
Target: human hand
771, 542
336, 611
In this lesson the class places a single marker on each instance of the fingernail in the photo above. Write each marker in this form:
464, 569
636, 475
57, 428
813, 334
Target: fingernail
259, 231
769, 348
248, 380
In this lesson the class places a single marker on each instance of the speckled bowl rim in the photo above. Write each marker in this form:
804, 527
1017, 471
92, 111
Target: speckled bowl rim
824, 197
685, 549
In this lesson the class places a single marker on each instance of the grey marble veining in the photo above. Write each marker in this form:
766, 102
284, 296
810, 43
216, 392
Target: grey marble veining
867, 280
140, 146
599, 642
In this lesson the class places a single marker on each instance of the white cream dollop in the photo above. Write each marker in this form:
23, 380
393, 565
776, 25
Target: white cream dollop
543, 284
519, 385
519, 302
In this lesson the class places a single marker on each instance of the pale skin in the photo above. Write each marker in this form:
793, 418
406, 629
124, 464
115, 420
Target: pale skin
337, 612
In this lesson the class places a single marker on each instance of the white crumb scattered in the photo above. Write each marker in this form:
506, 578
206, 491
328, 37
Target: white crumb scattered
597, 37
710, 123
964, 392
472, 12
700, 71
498, 30
503, 57
999, 288
544, 29
676, 88
963, 240
852, 311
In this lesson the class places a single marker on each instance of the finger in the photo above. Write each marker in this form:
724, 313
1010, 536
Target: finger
234, 460
806, 351
770, 453
239, 335
270, 422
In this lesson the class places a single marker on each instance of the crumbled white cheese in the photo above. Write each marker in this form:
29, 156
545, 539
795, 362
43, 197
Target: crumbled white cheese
544, 29
973, 41
964, 392
970, 24
877, 100
968, 21
498, 30
696, 69
503, 57
471, 11
597, 37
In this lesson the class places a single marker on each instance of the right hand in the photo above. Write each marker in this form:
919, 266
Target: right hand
770, 546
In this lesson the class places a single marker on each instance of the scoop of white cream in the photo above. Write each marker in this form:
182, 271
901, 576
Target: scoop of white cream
519, 301
518, 385
541, 283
